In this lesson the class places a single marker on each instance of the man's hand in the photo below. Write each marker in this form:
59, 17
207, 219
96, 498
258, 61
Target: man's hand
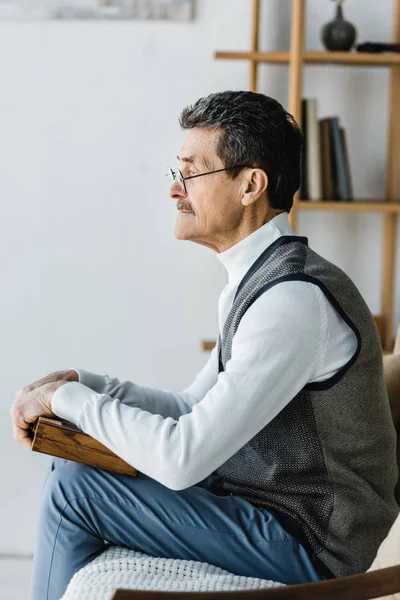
56, 376
27, 407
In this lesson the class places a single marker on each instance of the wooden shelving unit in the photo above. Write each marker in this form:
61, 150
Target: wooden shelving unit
296, 59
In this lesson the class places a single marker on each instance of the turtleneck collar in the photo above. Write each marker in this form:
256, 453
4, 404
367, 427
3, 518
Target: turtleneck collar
238, 259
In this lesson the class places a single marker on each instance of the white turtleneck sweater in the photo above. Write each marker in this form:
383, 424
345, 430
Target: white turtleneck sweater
289, 336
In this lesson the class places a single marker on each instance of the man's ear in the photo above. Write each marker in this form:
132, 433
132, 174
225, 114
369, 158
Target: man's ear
255, 183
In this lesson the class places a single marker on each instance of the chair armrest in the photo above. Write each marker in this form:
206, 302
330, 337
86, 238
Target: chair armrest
364, 586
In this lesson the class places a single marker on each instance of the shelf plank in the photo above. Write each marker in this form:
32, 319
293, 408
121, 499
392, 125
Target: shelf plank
384, 59
271, 57
353, 206
312, 57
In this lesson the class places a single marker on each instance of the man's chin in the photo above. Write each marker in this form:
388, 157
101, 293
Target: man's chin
182, 235
184, 231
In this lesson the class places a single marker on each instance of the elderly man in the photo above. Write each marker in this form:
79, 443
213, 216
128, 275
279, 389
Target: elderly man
271, 463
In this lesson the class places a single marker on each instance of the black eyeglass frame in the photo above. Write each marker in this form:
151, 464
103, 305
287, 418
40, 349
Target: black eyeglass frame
171, 173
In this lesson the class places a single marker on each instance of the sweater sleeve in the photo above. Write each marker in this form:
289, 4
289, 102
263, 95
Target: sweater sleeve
161, 402
274, 353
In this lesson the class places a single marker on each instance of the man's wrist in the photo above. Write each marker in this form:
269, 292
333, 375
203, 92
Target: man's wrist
72, 376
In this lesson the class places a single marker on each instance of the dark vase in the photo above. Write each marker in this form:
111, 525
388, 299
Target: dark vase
338, 34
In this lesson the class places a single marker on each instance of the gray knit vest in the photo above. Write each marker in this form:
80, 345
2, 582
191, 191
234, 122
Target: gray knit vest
325, 466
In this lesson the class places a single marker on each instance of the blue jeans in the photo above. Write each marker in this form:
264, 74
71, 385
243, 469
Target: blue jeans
82, 507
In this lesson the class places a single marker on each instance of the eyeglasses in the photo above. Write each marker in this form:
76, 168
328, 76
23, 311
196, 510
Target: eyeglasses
176, 175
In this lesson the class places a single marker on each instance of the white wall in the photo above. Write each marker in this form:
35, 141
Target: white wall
91, 273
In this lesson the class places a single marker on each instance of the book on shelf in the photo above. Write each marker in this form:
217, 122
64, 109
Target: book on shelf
63, 439
340, 167
313, 151
328, 190
325, 162
303, 179
349, 182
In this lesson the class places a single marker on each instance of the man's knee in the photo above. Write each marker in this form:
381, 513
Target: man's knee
66, 481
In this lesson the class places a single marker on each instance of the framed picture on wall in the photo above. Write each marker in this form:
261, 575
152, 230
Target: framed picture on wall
167, 10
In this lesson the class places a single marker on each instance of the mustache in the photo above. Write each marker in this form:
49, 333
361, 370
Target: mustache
183, 205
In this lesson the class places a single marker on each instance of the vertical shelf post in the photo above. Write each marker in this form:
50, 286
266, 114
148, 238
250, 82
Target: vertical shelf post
296, 63
392, 194
255, 35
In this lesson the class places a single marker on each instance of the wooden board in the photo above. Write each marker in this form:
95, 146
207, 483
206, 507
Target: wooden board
364, 586
64, 439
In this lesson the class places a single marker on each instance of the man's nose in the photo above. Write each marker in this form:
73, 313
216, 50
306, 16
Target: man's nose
176, 192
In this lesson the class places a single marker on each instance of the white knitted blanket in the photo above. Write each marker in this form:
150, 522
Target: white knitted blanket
118, 568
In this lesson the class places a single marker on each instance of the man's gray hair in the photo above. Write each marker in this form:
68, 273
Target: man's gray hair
256, 131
